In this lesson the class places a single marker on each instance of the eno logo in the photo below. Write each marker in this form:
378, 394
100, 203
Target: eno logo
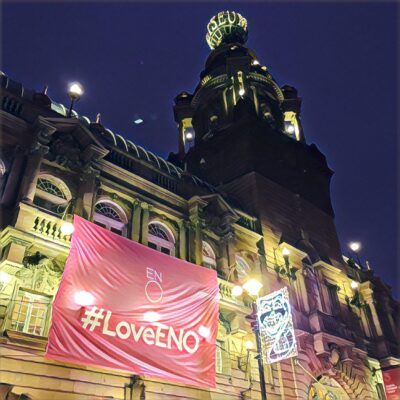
153, 288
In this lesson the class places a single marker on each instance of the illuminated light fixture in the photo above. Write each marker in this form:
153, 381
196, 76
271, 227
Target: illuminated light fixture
354, 285
355, 246
252, 287
204, 331
4, 277
290, 128
241, 92
138, 121
151, 316
75, 91
248, 345
255, 62
67, 228
84, 298
285, 252
189, 135
237, 291
286, 270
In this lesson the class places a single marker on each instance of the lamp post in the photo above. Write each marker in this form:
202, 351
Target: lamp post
252, 287
355, 248
75, 91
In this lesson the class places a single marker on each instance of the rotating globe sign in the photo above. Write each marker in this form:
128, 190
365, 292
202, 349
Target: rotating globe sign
226, 27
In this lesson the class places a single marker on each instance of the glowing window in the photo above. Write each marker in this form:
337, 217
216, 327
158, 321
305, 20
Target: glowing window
30, 313
209, 258
242, 267
161, 238
49, 187
111, 217
52, 194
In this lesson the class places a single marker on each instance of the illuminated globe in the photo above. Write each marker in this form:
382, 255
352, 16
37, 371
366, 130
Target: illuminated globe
226, 27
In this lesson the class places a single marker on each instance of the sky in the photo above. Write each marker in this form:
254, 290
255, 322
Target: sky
133, 58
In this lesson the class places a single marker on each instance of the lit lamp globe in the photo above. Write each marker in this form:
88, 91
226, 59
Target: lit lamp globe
248, 344
285, 252
67, 228
4, 277
355, 246
75, 91
252, 287
237, 291
354, 285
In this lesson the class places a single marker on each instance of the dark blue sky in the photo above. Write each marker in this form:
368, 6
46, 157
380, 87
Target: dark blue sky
134, 58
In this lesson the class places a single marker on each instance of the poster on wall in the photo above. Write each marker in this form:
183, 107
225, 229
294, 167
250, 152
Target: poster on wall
391, 380
124, 306
275, 321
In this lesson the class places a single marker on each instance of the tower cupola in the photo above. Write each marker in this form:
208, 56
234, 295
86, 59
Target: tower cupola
234, 85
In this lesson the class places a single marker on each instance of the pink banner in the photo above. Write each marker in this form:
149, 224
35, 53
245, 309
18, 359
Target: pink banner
391, 379
124, 306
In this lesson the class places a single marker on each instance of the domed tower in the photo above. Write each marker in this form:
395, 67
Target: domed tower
241, 131
234, 85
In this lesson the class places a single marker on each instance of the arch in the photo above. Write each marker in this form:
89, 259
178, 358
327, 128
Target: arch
242, 267
161, 238
52, 194
327, 388
110, 216
209, 257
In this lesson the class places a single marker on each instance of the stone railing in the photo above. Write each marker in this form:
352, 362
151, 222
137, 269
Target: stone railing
33, 220
225, 291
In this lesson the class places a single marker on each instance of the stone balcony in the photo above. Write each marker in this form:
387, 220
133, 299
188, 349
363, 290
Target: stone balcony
37, 222
225, 291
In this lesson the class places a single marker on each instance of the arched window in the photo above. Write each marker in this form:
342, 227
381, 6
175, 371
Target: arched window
209, 258
161, 238
52, 193
242, 267
110, 216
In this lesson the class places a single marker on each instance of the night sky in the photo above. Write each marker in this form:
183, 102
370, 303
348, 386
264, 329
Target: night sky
134, 58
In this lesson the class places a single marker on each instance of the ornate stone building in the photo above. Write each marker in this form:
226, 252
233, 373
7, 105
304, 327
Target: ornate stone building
243, 186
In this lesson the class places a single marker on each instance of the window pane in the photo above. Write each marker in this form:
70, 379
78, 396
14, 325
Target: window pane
153, 245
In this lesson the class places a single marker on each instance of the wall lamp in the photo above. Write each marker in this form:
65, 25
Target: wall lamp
356, 299
286, 270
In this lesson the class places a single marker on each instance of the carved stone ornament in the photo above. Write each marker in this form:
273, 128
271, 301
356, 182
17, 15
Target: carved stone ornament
40, 273
65, 151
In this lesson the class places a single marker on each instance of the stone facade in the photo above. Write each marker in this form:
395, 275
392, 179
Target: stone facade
243, 186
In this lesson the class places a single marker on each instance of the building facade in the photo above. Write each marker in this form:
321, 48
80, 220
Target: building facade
245, 195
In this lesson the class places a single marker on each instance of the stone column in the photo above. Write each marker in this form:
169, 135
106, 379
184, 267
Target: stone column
86, 193
182, 240
136, 215
145, 222
32, 169
44, 131
367, 293
13, 180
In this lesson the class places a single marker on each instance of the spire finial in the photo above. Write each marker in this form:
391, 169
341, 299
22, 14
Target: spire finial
98, 117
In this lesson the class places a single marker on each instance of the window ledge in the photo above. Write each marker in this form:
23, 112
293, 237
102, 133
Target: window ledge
26, 339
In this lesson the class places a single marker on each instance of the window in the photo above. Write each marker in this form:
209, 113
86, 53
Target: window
30, 313
161, 238
242, 268
110, 216
52, 194
222, 359
209, 259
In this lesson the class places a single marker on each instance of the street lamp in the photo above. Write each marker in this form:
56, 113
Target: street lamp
67, 227
75, 91
355, 247
252, 287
